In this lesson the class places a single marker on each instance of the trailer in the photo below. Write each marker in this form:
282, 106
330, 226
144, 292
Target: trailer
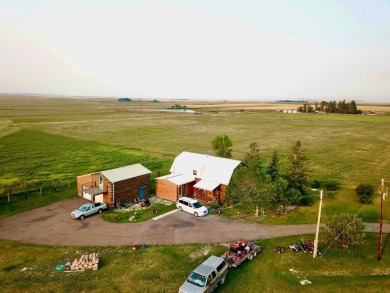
241, 251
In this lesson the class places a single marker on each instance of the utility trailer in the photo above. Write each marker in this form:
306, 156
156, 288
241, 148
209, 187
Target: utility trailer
241, 251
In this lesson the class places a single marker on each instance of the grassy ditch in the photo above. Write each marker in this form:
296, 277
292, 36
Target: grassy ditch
164, 268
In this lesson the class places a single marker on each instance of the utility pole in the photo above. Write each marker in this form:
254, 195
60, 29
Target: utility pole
318, 228
380, 221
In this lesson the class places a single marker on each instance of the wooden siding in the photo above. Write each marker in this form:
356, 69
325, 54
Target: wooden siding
81, 180
166, 189
89, 180
128, 190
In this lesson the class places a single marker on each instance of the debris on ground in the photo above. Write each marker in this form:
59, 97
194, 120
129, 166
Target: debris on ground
136, 246
25, 269
85, 262
305, 282
293, 271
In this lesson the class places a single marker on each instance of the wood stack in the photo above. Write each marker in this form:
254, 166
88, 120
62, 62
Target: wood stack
86, 262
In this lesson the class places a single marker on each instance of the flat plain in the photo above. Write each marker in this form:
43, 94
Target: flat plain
52, 139
45, 139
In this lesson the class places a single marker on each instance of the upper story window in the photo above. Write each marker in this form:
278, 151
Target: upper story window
194, 172
100, 180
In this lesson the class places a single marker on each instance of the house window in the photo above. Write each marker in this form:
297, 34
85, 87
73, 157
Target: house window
194, 172
180, 189
100, 180
185, 189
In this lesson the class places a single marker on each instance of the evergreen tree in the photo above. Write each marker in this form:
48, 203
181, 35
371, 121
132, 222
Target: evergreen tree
296, 168
273, 168
253, 158
352, 108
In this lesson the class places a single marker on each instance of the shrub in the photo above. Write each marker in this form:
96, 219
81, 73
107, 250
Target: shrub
332, 185
316, 184
365, 192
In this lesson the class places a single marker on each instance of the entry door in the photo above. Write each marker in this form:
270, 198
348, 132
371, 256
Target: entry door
142, 192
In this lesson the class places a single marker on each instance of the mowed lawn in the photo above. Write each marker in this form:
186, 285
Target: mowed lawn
53, 139
164, 268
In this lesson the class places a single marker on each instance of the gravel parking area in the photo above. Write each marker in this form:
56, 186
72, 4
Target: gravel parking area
53, 225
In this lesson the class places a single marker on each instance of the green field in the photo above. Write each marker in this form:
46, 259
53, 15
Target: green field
47, 139
164, 268
47, 142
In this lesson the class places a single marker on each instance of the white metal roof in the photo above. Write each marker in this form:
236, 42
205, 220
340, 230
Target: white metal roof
207, 185
206, 167
178, 179
131, 171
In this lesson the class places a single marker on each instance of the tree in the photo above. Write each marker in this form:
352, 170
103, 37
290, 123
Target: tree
296, 169
365, 192
352, 108
253, 157
343, 230
250, 186
273, 168
222, 145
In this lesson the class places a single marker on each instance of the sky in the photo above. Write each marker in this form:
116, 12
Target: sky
197, 49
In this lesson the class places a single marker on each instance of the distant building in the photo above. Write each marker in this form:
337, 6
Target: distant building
290, 111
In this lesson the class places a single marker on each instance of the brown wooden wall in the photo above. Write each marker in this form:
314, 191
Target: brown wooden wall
85, 179
166, 189
91, 180
128, 190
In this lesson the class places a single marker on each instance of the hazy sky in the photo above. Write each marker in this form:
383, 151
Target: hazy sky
223, 49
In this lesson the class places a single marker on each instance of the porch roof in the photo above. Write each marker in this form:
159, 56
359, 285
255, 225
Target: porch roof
178, 179
206, 185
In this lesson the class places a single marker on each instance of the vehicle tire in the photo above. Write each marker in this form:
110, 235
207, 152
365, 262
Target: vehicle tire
196, 214
180, 208
222, 280
82, 217
100, 211
250, 257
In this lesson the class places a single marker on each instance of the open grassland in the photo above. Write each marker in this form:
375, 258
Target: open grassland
52, 138
164, 268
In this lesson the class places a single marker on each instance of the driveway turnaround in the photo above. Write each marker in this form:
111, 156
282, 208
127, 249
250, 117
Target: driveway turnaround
52, 225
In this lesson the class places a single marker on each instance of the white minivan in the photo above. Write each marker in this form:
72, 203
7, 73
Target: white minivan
191, 206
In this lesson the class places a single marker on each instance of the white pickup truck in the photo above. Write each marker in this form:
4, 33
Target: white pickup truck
88, 209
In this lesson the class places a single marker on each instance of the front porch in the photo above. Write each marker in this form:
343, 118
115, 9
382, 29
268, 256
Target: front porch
207, 197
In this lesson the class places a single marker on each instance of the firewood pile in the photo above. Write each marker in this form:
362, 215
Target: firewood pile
86, 262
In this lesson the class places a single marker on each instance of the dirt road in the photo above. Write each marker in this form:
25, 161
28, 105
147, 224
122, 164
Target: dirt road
52, 225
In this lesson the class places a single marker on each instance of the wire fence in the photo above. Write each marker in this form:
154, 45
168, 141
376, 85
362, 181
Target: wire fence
9, 192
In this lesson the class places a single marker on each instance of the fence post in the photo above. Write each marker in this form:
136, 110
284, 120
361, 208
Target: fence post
8, 197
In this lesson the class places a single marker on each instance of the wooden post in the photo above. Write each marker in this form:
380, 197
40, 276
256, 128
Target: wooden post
318, 227
381, 220
257, 211
8, 197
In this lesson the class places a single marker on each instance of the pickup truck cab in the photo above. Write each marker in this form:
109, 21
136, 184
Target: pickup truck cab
206, 277
88, 209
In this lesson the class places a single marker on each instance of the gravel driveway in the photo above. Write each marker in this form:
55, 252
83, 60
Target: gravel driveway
52, 225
